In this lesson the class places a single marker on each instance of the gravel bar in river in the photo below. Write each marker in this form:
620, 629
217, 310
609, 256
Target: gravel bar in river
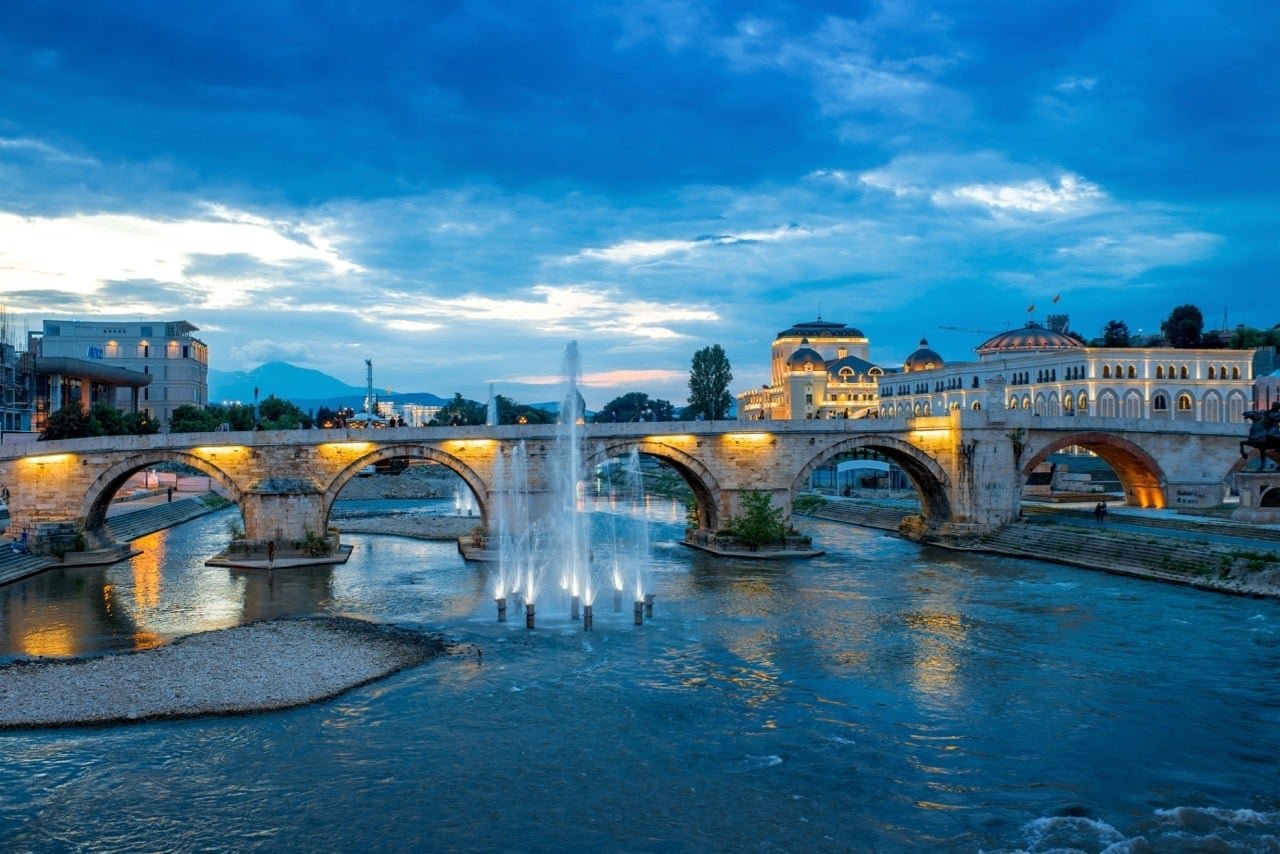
274, 664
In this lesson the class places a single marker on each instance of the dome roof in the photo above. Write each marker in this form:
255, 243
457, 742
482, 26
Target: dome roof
821, 329
1033, 336
923, 359
806, 357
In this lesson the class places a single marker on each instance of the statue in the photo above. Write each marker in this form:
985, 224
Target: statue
1264, 433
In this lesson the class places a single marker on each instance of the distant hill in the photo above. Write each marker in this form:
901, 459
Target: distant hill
308, 388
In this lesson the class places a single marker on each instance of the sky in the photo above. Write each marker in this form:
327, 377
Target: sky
456, 190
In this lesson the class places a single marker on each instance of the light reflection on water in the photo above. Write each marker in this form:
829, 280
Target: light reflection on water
882, 696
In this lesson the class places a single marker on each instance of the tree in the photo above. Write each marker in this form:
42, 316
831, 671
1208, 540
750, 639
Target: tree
1115, 334
460, 412
709, 379
275, 413
67, 423
635, 406
1183, 327
193, 419
140, 424
511, 412
760, 521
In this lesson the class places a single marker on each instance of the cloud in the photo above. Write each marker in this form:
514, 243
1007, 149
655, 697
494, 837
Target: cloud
606, 379
257, 352
559, 309
1072, 194
44, 151
632, 251
1131, 254
82, 252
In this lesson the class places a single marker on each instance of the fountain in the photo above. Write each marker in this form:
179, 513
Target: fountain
556, 542
464, 503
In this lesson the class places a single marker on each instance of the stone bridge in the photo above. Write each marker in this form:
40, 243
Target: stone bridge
967, 466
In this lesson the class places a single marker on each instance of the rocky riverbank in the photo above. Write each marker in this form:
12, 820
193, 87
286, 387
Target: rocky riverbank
429, 481
1216, 557
258, 667
407, 525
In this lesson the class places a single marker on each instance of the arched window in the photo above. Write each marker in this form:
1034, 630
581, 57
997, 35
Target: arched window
1133, 372
977, 405
1212, 407
1235, 372
1182, 372
1107, 405
1106, 372
1026, 401
1068, 403
1236, 405
1184, 402
1212, 375
1082, 403
1160, 403
1159, 372
1133, 404
1172, 373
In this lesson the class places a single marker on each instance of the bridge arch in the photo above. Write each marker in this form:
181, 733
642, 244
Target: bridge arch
700, 479
1140, 475
930, 480
98, 498
411, 451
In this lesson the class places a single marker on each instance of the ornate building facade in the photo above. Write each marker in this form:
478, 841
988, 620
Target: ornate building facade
819, 369
1053, 374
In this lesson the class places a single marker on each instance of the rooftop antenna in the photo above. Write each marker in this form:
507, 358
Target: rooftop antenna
819, 309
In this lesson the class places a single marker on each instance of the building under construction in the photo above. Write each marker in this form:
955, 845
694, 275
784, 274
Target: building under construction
17, 380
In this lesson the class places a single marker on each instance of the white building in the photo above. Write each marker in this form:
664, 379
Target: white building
1051, 374
177, 362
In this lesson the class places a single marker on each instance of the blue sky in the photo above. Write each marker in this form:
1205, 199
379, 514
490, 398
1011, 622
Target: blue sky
455, 190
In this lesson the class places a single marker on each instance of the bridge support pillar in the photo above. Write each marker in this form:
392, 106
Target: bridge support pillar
289, 511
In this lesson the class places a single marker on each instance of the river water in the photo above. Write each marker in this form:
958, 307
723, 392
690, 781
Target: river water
881, 697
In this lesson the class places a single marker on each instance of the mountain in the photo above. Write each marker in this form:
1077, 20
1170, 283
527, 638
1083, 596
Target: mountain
308, 388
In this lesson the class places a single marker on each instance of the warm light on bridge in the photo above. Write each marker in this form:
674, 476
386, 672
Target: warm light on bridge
47, 459
348, 446
678, 438
475, 444
754, 438
214, 450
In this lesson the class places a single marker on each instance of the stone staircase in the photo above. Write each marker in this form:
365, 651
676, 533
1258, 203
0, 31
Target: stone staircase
112, 544
868, 515
125, 527
1226, 527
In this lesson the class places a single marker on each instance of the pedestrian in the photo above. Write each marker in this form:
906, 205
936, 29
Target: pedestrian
1098, 512
271, 554
170, 493
1102, 511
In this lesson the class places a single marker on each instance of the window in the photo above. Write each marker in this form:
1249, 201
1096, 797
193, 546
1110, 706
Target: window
977, 405
1184, 403
1235, 372
1082, 402
186, 351
1212, 376
1133, 372
1159, 372
146, 351
1106, 372
1182, 372
1160, 403
145, 332
975, 382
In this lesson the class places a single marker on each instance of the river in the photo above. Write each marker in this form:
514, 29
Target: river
881, 697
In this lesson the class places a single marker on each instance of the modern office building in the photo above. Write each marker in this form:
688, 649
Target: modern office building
176, 362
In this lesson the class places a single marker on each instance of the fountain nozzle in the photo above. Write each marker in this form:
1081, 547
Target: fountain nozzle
502, 609
639, 612
528, 615
574, 602
587, 618
648, 605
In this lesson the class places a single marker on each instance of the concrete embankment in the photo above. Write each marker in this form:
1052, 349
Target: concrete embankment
259, 667
133, 522
1194, 558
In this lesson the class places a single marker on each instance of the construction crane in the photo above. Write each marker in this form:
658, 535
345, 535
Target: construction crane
978, 331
